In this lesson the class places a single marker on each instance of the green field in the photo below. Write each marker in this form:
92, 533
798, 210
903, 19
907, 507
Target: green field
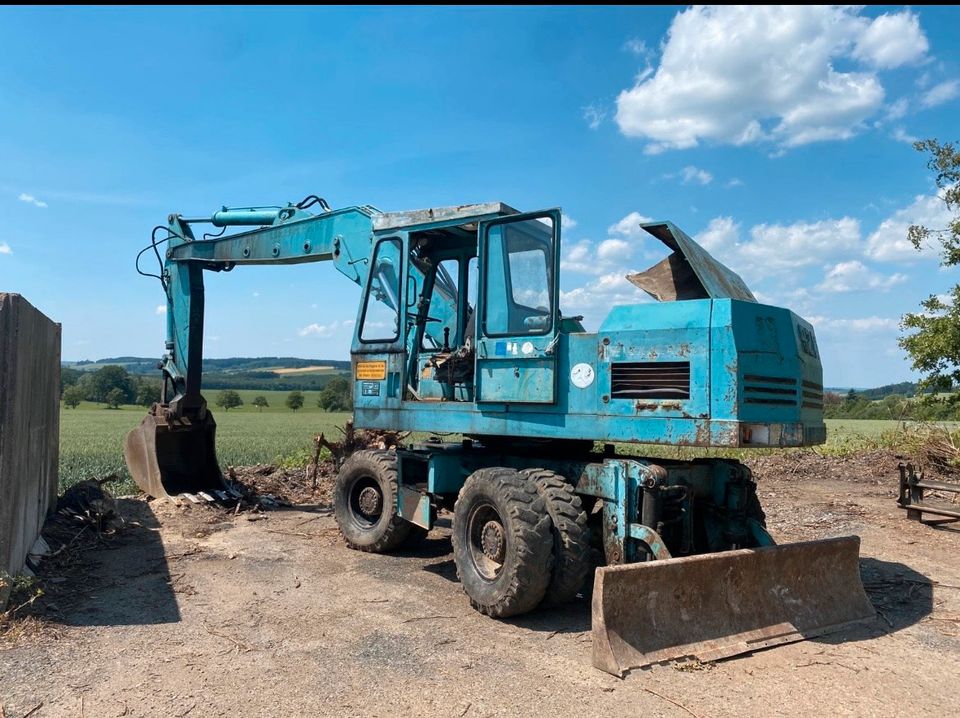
91, 437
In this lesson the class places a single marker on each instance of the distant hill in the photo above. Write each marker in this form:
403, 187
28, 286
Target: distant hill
278, 373
903, 388
148, 365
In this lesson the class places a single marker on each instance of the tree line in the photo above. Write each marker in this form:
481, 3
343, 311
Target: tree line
110, 385
114, 386
898, 407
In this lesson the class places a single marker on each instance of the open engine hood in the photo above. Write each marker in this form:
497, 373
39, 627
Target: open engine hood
689, 272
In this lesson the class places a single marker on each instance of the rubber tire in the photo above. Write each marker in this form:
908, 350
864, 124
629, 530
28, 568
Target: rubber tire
571, 536
525, 575
390, 530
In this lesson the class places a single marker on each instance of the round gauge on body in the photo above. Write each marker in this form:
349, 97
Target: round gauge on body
582, 375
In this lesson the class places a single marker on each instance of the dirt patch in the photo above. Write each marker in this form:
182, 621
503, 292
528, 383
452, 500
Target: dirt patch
197, 610
288, 487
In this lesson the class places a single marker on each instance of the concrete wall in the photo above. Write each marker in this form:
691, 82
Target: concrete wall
29, 425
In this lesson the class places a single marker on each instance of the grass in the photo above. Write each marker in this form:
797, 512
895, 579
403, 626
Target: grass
91, 437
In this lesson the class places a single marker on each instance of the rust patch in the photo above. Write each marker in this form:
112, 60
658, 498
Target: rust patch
639, 406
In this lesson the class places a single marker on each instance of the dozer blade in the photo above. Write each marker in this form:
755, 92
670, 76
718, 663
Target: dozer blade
718, 605
170, 458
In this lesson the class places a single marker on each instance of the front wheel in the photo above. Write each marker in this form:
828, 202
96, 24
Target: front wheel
365, 501
502, 542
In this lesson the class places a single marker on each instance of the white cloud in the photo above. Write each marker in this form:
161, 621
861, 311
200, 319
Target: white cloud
5, 248
691, 174
888, 243
324, 331
161, 309
892, 40
594, 114
863, 325
720, 234
629, 226
30, 199
577, 257
741, 75
775, 248
941, 93
735, 182
901, 135
624, 240
636, 46
613, 250
779, 247
898, 109
594, 299
854, 276
567, 223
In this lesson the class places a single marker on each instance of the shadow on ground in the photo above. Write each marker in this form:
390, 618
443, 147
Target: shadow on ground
900, 595
117, 580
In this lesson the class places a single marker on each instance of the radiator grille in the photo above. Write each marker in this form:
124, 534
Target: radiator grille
769, 390
650, 380
812, 395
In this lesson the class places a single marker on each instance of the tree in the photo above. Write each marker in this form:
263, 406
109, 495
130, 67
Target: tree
73, 395
295, 400
229, 399
108, 378
932, 336
114, 398
148, 392
336, 395
260, 402
69, 377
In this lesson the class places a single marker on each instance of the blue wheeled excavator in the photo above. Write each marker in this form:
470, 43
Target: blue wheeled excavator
459, 330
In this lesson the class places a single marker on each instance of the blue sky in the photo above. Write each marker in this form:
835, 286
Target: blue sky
778, 137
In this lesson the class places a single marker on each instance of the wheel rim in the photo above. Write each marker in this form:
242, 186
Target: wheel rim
366, 502
487, 539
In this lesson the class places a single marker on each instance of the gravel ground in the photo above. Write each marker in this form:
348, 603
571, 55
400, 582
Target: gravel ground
202, 611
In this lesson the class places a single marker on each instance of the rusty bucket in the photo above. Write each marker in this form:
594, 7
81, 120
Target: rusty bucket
166, 458
718, 605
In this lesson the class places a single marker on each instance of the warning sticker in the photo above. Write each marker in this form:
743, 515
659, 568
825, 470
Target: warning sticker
371, 370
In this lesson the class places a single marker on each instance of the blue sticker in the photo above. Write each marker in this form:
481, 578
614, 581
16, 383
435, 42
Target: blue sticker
500, 349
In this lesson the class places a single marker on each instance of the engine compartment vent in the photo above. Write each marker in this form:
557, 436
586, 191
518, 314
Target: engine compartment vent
770, 390
650, 380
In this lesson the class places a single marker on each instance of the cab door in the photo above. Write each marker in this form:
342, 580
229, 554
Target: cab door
519, 319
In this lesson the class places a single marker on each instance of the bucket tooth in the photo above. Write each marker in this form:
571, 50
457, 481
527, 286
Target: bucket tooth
718, 605
166, 458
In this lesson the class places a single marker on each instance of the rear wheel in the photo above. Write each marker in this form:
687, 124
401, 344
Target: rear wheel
502, 544
571, 537
365, 500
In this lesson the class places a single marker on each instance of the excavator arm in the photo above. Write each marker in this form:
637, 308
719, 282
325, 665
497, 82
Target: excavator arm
286, 235
173, 449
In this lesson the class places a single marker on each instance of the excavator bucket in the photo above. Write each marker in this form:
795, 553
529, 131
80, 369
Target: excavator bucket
718, 605
167, 458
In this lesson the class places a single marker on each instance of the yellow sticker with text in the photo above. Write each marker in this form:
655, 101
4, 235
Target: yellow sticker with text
371, 370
